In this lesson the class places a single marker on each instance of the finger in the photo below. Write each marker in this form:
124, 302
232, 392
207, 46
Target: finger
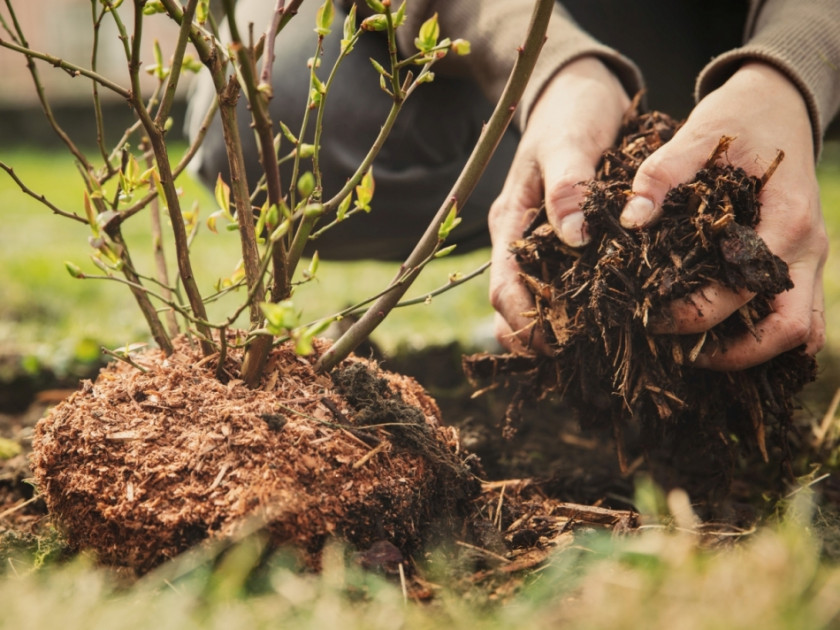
700, 311
797, 319
677, 161
513, 340
564, 194
515, 329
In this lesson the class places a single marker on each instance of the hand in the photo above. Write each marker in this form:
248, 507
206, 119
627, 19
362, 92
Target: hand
575, 119
765, 112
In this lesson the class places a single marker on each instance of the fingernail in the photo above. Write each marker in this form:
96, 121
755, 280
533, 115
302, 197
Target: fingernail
637, 212
572, 230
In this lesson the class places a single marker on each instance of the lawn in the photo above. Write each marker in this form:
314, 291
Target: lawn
42, 306
784, 575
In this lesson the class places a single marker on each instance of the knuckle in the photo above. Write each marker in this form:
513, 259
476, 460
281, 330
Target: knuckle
798, 330
566, 192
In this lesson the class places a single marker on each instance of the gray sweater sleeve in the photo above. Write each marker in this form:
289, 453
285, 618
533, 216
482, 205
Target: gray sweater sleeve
801, 38
495, 29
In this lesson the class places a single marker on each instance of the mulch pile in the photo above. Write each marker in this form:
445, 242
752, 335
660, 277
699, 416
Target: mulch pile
594, 306
140, 465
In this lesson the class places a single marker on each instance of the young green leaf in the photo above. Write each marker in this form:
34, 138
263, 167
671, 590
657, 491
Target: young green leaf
343, 207
202, 11
318, 85
91, 215
428, 36
281, 317
445, 251
449, 223
324, 18
399, 16
222, 195
349, 31
364, 191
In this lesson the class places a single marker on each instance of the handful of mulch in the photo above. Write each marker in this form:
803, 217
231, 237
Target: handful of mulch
595, 306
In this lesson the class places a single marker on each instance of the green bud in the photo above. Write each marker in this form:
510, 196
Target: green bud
272, 216
379, 68
426, 77
445, 251
460, 47
399, 16
313, 265
306, 150
191, 64
375, 23
306, 184
74, 270
153, 6
376, 5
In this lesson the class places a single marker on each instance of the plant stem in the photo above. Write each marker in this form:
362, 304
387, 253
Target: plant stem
463, 187
167, 181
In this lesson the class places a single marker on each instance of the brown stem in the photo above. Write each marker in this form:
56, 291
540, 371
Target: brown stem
258, 101
160, 258
167, 182
177, 63
477, 162
257, 351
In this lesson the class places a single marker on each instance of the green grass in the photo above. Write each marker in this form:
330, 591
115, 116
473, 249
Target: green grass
42, 305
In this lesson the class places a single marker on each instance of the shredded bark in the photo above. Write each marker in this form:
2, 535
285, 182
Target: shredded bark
139, 466
595, 306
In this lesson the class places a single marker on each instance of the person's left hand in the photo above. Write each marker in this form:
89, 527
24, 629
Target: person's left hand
765, 112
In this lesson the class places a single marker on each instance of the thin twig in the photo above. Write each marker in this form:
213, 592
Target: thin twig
477, 162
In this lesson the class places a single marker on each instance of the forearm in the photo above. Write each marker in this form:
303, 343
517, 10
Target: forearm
799, 38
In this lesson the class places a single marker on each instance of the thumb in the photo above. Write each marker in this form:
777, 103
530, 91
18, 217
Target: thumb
664, 169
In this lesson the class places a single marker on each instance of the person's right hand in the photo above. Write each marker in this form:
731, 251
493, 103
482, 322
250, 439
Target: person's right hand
573, 122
